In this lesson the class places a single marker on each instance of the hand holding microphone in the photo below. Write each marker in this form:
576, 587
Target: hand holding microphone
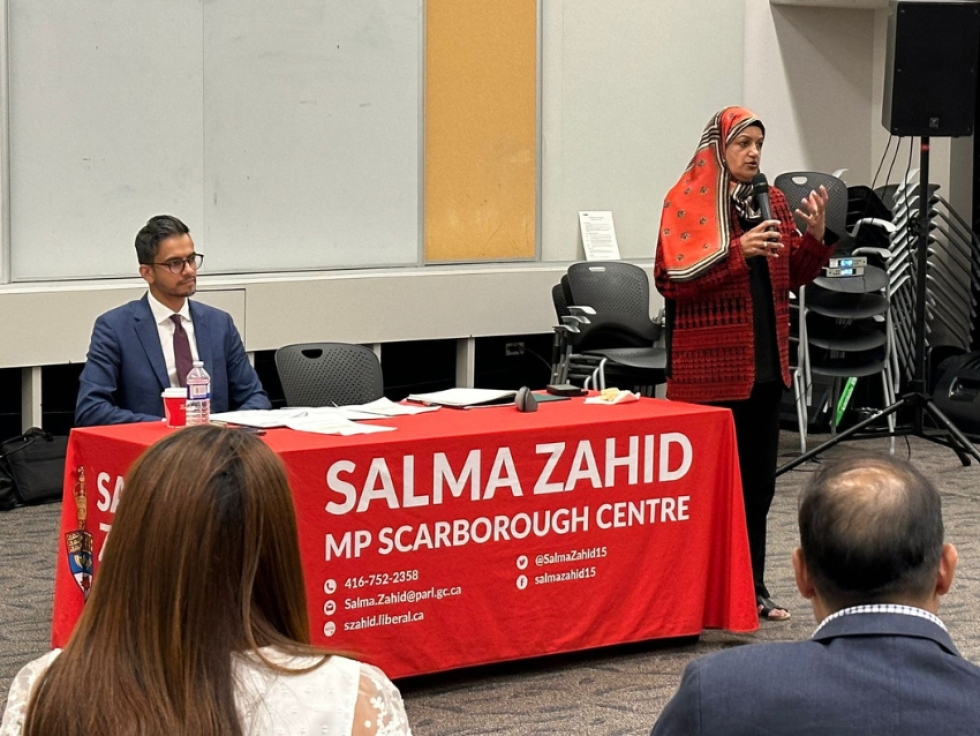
764, 238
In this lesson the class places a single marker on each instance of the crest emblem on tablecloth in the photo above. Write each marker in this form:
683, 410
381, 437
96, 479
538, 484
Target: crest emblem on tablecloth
79, 542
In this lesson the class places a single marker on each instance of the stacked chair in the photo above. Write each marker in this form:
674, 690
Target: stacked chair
843, 328
844, 333
606, 334
952, 273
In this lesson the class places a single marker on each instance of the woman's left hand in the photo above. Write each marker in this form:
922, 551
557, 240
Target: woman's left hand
814, 211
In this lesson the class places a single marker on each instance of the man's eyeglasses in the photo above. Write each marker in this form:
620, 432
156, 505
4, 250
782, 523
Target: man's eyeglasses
176, 265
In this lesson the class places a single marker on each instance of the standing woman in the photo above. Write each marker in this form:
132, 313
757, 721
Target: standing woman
726, 275
197, 622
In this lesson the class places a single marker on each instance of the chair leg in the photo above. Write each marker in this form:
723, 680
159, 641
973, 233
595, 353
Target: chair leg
563, 366
801, 409
887, 386
601, 371
834, 398
558, 354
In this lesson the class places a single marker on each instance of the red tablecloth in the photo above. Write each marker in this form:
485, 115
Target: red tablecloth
466, 537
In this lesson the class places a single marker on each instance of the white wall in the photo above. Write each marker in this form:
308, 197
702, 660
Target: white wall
815, 75
624, 100
809, 76
623, 104
50, 325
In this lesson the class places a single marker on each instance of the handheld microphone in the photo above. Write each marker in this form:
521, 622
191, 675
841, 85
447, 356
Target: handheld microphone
760, 190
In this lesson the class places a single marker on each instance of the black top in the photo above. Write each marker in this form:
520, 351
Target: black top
767, 366
763, 318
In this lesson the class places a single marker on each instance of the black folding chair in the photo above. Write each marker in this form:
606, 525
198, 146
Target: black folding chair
329, 374
606, 333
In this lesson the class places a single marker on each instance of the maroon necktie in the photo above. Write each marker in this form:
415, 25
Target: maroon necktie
182, 351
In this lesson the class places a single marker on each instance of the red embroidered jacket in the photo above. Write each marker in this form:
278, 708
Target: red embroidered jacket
712, 348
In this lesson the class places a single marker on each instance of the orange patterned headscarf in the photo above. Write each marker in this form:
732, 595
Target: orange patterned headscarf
696, 221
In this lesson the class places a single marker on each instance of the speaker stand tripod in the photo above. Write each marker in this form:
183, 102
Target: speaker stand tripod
916, 399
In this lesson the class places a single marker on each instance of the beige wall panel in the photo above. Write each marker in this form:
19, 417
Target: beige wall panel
480, 130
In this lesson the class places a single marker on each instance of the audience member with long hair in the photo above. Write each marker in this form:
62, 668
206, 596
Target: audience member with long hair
197, 621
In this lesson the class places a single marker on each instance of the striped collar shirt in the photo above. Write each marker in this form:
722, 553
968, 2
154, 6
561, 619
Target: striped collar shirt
883, 608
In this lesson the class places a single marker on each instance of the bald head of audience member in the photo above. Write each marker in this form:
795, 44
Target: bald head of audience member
871, 532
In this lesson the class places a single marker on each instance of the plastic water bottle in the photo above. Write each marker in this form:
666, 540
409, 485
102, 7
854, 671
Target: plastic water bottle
198, 395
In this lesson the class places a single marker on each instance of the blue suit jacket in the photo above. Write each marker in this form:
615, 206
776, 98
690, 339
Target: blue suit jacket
868, 673
125, 372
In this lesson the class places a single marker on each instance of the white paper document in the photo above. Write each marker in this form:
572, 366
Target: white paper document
465, 398
387, 408
354, 412
598, 235
261, 418
332, 423
303, 417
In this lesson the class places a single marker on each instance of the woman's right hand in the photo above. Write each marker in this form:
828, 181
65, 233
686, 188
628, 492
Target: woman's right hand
762, 240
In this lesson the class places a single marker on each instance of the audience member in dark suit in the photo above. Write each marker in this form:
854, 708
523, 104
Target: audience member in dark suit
145, 346
873, 564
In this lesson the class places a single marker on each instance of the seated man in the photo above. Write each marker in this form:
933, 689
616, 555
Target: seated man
873, 563
143, 347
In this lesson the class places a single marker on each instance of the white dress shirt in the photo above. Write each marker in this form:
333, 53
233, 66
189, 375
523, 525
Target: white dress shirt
165, 328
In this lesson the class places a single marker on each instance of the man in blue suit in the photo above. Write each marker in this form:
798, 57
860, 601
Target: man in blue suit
873, 564
145, 346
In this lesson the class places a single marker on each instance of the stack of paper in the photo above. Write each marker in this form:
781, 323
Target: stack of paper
387, 408
262, 418
465, 398
322, 419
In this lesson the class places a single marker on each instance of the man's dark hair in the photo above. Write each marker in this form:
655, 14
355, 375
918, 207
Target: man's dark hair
871, 530
156, 230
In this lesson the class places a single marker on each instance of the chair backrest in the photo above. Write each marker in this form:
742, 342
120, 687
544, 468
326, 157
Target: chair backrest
619, 292
558, 298
798, 184
863, 201
609, 286
893, 196
864, 211
328, 374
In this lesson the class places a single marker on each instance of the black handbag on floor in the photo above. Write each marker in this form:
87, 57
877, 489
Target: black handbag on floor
8, 499
32, 468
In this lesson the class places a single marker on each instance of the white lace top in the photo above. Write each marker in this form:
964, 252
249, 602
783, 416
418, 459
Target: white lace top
340, 698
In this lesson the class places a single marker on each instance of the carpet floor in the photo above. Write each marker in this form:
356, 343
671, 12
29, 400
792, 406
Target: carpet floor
608, 692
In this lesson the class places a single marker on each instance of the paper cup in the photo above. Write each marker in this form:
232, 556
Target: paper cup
175, 406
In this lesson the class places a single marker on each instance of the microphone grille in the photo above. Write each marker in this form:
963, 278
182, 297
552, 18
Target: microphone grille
760, 185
